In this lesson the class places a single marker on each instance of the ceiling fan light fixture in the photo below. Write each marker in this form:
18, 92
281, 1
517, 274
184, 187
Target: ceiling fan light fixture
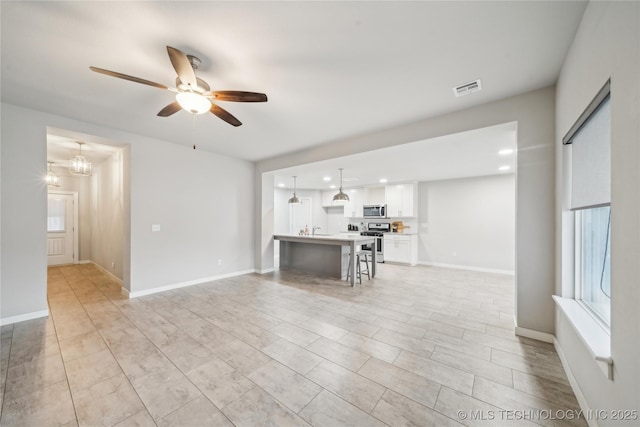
193, 102
341, 197
79, 164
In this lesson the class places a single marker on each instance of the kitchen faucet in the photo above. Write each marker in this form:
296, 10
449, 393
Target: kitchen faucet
313, 231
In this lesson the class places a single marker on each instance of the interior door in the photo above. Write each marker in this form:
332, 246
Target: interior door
300, 216
60, 229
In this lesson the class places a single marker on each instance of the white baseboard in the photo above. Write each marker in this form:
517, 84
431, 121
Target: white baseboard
265, 271
582, 400
467, 267
536, 335
22, 317
138, 294
85, 261
105, 271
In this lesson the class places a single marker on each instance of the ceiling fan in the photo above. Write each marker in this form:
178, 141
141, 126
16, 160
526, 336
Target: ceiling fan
193, 94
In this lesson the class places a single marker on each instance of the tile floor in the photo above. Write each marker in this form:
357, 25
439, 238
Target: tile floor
413, 347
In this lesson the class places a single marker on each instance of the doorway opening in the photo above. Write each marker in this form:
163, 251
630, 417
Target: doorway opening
88, 219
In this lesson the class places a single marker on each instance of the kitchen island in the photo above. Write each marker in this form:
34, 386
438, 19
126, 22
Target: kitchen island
327, 255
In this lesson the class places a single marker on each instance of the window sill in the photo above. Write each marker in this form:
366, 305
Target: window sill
596, 339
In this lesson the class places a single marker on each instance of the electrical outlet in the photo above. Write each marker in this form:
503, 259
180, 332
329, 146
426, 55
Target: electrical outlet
219, 262
155, 227
113, 264
455, 254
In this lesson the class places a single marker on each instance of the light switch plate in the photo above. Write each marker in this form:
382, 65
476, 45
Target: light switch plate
155, 227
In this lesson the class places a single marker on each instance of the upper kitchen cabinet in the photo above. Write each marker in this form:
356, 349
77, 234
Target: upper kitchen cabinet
402, 200
353, 208
374, 196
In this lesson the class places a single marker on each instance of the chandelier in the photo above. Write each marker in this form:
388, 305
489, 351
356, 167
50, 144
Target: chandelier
52, 178
79, 164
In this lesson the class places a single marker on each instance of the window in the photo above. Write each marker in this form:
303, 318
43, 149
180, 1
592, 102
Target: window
593, 263
56, 214
590, 143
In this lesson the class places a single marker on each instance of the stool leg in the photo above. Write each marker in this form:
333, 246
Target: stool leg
358, 272
366, 261
349, 269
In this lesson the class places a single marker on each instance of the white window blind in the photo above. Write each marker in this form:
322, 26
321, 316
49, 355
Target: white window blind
590, 140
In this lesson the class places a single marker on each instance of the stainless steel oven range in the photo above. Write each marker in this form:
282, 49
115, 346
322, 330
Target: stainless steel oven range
377, 229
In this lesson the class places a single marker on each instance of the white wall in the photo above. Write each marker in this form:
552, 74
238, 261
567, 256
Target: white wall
607, 45
107, 214
281, 209
468, 222
203, 201
534, 113
336, 222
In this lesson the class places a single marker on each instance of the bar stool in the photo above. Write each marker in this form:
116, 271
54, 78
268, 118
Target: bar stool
361, 256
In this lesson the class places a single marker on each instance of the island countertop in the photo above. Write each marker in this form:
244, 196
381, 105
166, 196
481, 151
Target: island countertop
307, 260
325, 239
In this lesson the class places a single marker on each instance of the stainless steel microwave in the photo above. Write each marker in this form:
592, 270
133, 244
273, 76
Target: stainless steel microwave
374, 211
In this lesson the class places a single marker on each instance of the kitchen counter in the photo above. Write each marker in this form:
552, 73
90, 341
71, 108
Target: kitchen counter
324, 254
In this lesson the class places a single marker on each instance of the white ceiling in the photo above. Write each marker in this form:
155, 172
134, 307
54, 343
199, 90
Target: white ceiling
465, 154
60, 149
331, 69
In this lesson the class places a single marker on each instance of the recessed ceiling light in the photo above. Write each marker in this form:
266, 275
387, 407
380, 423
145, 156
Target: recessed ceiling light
332, 186
383, 180
504, 168
281, 184
326, 178
505, 152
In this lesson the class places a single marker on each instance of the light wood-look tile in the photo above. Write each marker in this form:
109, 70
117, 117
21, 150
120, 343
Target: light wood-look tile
413, 386
338, 353
397, 410
355, 389
257, 407
328, 410
287, 386
411, 347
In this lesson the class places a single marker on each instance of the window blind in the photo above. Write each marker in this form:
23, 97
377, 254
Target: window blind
590, 144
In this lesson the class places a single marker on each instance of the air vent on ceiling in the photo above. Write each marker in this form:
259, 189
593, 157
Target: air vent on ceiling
467, 88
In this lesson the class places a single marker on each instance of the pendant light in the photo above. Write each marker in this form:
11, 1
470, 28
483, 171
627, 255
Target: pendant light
52, 178
294, 200
79, 165
340, 198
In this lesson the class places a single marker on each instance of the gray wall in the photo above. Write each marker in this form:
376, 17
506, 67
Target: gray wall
607, 45
203, 201
468, 222
534, 113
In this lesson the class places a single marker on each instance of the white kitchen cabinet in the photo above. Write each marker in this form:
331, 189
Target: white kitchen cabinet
401, 248
353, 208
402, 200
374, 196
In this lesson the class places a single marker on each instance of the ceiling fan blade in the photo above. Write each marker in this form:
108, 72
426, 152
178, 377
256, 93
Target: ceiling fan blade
170, 109
225, 115
127, 77
237, 96
182, 66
